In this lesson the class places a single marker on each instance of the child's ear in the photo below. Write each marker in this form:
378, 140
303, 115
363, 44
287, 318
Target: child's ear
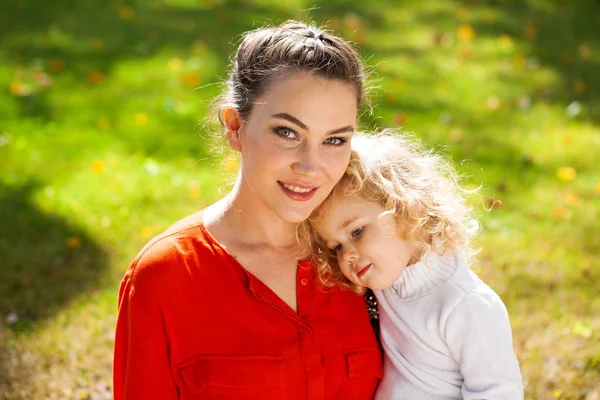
233, 123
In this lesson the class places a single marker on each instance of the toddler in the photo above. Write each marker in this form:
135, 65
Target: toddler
398, 223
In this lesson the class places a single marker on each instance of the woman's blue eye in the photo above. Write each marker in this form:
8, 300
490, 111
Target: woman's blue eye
357, 231
335, 141
285, 133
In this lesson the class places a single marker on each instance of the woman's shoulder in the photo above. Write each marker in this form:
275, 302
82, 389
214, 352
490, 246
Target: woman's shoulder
184, 242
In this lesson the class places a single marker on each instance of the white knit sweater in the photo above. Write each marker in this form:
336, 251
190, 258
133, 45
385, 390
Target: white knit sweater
445, 335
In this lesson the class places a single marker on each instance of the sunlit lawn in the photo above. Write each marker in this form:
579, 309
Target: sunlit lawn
103, 144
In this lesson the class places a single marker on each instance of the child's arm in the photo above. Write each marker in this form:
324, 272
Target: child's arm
479, 336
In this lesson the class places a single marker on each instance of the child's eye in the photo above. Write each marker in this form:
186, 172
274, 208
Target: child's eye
335, 141
337, 248
357, 231
285, 133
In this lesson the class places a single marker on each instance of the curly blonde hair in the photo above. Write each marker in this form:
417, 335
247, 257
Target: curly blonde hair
417, 186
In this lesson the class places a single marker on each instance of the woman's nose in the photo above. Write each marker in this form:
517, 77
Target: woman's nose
308, 161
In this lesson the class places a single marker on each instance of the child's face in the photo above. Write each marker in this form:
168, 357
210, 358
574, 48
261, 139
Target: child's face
369, 247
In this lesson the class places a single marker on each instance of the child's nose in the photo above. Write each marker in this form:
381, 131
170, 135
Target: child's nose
349, 255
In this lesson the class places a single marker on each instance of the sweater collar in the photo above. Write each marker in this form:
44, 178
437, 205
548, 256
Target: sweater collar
426, 275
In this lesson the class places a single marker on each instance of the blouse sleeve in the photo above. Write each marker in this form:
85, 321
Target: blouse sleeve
480, 339
141, 360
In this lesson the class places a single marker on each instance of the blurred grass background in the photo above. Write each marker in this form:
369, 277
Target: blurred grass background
103, 145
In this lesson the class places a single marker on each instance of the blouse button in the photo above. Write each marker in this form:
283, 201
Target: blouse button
304, 281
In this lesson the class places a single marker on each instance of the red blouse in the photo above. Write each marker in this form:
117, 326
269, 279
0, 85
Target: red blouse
194, 324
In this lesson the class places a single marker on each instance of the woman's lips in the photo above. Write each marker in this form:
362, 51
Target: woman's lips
299, 196
363, 270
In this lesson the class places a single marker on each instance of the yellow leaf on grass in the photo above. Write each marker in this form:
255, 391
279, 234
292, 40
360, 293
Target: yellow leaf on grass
579, 86
493, 102
566, 174
466, 33
561, 212
505, 41
95, 78
20, 89
529, 30
98, 166
73, 242
175, 64
141, 119
146, 231
585, 50
57, 65
199, 47
194, 192
571, 198
191, 79
97, 43
519, 61
126, 13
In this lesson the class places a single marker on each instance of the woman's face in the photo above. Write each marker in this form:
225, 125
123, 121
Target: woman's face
295, 144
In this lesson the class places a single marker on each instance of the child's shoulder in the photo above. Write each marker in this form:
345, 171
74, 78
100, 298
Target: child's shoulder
467, 289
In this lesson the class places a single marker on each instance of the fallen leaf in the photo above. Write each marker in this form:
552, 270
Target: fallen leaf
95, 78
505, 42
561, 212
352, 22
566, 174
175, 64
579, 86
194, 192
571, 198
493, 103
518, 61
73, 242
18, 88
191, 79
199, 47
57, 65
466, 32
585, 50
529, 30
98, 166
141, 118
126, 13
97, 43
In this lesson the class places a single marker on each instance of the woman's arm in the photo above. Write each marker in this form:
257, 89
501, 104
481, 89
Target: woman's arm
480, 339
141, 363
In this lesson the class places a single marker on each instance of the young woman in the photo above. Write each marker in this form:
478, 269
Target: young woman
225, 304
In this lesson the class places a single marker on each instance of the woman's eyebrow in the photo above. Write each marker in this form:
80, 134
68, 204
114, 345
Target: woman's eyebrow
291, 119
296, 121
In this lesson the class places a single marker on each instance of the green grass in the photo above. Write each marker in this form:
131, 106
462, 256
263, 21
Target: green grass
103, 145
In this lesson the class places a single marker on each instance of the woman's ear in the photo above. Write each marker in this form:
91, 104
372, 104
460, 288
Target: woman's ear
232, 124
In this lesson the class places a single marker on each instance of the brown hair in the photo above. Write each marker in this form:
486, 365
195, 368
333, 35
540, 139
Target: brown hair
266, 53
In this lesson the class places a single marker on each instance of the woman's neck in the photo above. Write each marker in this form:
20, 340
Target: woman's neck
253, 223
